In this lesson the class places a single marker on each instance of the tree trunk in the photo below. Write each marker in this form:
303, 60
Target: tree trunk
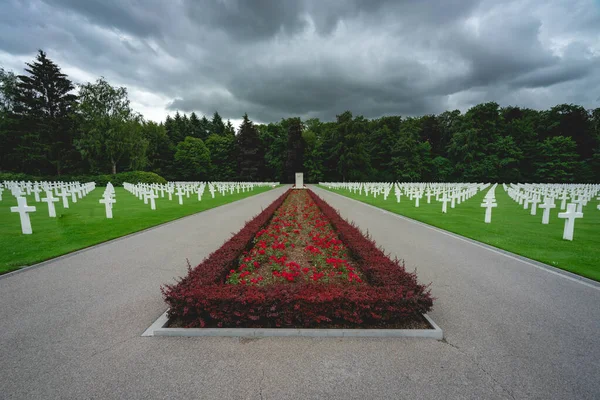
114, 167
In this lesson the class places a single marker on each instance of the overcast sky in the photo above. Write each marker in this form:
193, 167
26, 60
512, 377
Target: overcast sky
316, 58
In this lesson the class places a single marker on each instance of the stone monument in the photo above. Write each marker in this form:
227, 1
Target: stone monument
299, 181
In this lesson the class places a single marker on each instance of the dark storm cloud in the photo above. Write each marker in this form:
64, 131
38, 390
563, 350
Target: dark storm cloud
312, 58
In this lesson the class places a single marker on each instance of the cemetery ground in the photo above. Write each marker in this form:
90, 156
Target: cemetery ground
72, 328
85, 224
512, 228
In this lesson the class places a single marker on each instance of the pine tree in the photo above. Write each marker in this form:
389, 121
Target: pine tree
178, 133
44, 111
229, 129
205, 128
295, 149
217, 124
195, 127
250, 152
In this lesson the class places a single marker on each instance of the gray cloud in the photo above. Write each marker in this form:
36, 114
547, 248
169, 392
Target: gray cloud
311, 58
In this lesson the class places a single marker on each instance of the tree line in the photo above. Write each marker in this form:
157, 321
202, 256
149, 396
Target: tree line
48, 128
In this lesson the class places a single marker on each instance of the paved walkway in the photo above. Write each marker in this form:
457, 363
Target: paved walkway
71, 328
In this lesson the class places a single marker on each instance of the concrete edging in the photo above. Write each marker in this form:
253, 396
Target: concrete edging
158, 329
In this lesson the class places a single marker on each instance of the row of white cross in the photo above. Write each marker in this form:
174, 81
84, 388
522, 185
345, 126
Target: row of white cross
76, 190
577, 195
19, 190
445, 193
529, 195
150, 192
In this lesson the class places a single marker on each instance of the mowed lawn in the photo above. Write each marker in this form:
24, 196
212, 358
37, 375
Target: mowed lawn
85, 223
512, 228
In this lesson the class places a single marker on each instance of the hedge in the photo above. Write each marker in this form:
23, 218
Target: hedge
389, 296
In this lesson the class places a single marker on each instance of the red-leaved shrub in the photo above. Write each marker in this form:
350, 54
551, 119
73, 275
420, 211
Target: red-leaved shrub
391, 294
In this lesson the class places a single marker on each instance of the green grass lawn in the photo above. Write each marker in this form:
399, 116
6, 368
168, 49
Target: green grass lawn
85, 224
512, 228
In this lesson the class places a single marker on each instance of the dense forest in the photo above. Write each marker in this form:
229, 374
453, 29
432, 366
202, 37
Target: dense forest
47, 128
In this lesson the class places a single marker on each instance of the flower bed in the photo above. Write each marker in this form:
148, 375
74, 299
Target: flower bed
226, 289
299, 244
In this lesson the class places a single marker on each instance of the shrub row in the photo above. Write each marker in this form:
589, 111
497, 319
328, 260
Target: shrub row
390, 295
378, 268
101, 180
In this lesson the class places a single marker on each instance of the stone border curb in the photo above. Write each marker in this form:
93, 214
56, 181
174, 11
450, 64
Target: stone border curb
158, 329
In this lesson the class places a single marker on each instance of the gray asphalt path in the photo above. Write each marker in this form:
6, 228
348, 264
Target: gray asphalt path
71, 328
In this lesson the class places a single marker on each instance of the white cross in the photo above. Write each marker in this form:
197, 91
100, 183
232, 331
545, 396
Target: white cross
580, 202
108, 201
151, 196
547, 205
74, 195
445, 201
570, 215
563, 200
417, 198
23, 209
534, 203
488, 204
50, 199
36, 192
180, 195
429, 194
525, 202
63, 193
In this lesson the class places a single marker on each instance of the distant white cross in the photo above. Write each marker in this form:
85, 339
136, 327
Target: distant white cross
563, 200
488, 204
570, 215
445, 201
180, 195
50, 199
547, 205
151, 196
64, 194
580, 203
534, 202
108, 201
23, 209
36, 192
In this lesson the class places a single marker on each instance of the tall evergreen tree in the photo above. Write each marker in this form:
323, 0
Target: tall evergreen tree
205, 128
217, 125
195, 128
178, 133
44, 111
350, 153
229, 129
250, 152
8, 93
295, 149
